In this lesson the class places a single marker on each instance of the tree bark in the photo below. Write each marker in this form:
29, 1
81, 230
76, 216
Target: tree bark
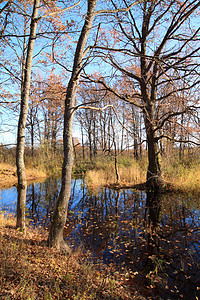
55, 238
22, 122
154, 180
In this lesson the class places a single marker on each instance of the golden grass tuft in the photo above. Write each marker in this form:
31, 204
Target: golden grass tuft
185, 179
185, 175
129, 176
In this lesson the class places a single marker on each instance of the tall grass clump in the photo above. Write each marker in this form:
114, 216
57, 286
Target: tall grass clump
43, 158
182, 174
130, 173
46, 159
7, 156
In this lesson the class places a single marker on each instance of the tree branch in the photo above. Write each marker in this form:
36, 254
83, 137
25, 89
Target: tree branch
59, 11
117, 10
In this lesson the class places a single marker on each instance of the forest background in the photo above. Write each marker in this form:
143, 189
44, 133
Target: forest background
111, 109
123, 75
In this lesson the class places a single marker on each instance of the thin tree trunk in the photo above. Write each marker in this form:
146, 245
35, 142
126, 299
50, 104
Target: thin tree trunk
90, 140
55, 238
94, 136
32, 138
115, 149
22, 122
181, 139
82, 137
122, 138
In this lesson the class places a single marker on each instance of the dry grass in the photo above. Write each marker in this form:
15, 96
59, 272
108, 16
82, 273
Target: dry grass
186, 179
183, 176
129, 176
8, 175
30, 270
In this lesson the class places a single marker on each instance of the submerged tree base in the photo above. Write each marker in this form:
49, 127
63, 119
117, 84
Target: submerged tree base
154, 184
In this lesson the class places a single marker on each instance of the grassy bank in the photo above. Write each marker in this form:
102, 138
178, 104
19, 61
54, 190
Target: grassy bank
178, 175
30, 270
103, 173
182, 175
42, 164
8, 174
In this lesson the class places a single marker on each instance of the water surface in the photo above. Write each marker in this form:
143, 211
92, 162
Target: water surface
156, 236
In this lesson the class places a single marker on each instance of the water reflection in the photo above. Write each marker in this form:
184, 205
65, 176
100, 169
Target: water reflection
156, 236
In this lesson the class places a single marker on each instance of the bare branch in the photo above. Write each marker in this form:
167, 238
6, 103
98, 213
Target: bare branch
103, 108
6, 5
59, 11
175, 140
108, 88
117, 10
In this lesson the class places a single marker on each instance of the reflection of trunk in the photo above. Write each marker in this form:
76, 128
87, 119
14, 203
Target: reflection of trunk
116, 205
22, 122
60, 214
152, 209
152, 217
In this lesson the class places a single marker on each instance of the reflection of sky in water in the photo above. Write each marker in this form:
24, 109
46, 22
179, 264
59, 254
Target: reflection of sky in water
127, 202
8, 199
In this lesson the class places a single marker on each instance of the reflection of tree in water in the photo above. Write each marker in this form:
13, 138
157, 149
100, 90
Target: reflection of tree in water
180, 244
41, 199
156, 236
173, 253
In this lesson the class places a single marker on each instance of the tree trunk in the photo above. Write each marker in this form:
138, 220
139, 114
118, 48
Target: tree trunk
55, 238
21, 200
115, 155
90, 140
82, 137
154, 180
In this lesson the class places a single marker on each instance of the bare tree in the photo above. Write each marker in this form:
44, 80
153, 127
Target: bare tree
152, 51
60, 214
25, 90
55, 238
26, 81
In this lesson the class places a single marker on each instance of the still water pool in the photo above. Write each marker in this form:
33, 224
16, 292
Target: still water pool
157, 236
